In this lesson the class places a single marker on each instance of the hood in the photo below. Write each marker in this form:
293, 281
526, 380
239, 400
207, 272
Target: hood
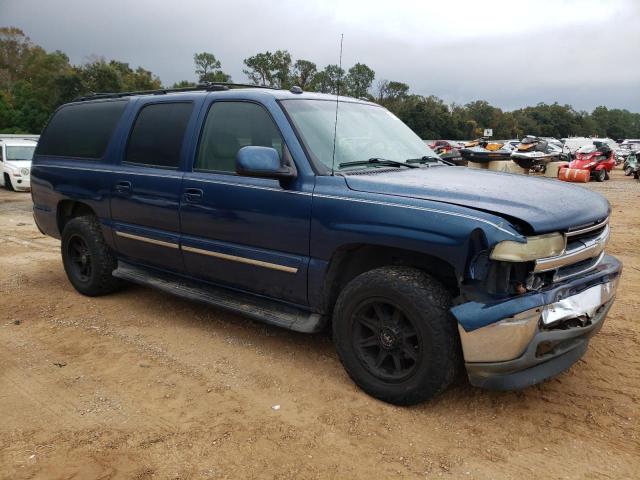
19, 163
546, 205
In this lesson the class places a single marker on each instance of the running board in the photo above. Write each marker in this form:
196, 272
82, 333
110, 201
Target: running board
257, 308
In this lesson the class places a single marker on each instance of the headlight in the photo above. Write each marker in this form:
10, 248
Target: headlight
541, 246
25, 172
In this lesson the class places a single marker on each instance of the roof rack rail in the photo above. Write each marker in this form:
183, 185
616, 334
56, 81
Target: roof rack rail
207, 86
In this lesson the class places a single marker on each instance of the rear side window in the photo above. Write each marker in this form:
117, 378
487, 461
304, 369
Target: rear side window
156, 138
81, 130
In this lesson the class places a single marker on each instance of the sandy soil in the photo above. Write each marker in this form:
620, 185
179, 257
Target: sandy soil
143, 385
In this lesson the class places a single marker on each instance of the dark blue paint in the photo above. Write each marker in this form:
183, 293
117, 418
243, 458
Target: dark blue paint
546, 205
298, 223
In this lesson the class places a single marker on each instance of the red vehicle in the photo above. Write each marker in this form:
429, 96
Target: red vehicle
598, 158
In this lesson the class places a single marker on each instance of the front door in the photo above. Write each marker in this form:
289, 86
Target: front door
146, 187
246, 233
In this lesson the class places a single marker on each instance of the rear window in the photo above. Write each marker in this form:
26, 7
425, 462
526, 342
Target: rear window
156, 138
81, 130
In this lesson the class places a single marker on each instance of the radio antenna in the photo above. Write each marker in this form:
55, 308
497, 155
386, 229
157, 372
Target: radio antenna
335, 125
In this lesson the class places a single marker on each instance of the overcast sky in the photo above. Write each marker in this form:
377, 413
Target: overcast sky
511, 53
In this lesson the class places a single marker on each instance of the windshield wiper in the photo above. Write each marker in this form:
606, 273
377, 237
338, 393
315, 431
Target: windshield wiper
428, 159
377, 161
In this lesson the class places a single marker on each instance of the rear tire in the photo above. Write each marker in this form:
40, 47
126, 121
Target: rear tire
600, 175
88, 260
395, 336
7, 183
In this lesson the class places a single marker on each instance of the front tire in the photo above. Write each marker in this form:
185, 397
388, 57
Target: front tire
7, 183
628, 171
395, 336
600, 175
88, 260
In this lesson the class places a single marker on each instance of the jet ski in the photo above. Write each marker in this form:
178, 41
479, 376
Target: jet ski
533, 153
450, 154
482, 150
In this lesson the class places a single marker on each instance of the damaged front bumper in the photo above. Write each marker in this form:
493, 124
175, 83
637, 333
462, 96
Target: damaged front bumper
523, 340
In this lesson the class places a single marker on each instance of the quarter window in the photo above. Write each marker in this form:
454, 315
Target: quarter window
81, 130
229, 127
156, 138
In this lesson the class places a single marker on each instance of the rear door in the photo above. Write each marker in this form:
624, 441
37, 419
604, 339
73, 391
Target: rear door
146, 186
246, 233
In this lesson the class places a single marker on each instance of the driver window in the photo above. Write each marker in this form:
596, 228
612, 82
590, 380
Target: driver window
229, 127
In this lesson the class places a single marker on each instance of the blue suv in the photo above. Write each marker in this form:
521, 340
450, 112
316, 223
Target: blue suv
306, 211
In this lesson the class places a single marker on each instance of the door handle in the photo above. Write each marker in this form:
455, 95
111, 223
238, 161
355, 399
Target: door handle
123, 187
193, 195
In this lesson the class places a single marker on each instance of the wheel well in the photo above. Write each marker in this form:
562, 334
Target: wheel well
68, 209
349, 262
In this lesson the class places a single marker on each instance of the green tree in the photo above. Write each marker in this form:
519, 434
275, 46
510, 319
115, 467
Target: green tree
358, 81
330, 80
429, 116
304, 74
269, 69
183, 84
391, 91
209, 68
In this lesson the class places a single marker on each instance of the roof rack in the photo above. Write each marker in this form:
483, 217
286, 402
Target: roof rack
207, 86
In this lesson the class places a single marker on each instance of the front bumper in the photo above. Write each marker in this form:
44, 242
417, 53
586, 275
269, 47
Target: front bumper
22, 183
518, 342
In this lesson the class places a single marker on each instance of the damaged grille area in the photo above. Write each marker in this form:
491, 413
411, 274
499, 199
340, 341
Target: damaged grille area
584, 250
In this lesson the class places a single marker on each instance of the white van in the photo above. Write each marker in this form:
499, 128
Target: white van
16, 152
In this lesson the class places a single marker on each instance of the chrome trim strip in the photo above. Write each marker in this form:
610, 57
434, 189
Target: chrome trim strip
248, 261
588, 229
595, 248
558, 278
147, 240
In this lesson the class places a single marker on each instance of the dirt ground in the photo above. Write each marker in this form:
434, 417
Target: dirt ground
142, 385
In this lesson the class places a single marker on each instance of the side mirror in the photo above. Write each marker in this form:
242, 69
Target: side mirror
262, 162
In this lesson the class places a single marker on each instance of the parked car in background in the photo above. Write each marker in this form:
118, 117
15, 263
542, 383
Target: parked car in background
16, 152
631, 142
256, 200
631, 164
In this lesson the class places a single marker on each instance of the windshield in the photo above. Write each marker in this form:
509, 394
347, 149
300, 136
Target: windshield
363, 132
20, 153
587, 149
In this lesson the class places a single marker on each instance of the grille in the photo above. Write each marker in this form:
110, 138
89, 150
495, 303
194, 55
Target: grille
585, 249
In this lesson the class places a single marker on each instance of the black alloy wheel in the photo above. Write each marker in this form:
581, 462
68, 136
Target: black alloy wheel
80, 258
386, 341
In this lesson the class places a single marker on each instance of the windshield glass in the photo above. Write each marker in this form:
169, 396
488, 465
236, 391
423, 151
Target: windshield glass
363, 132
20, 153
587, 149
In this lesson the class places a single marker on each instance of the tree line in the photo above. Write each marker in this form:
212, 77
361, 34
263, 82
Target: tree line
34, 82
